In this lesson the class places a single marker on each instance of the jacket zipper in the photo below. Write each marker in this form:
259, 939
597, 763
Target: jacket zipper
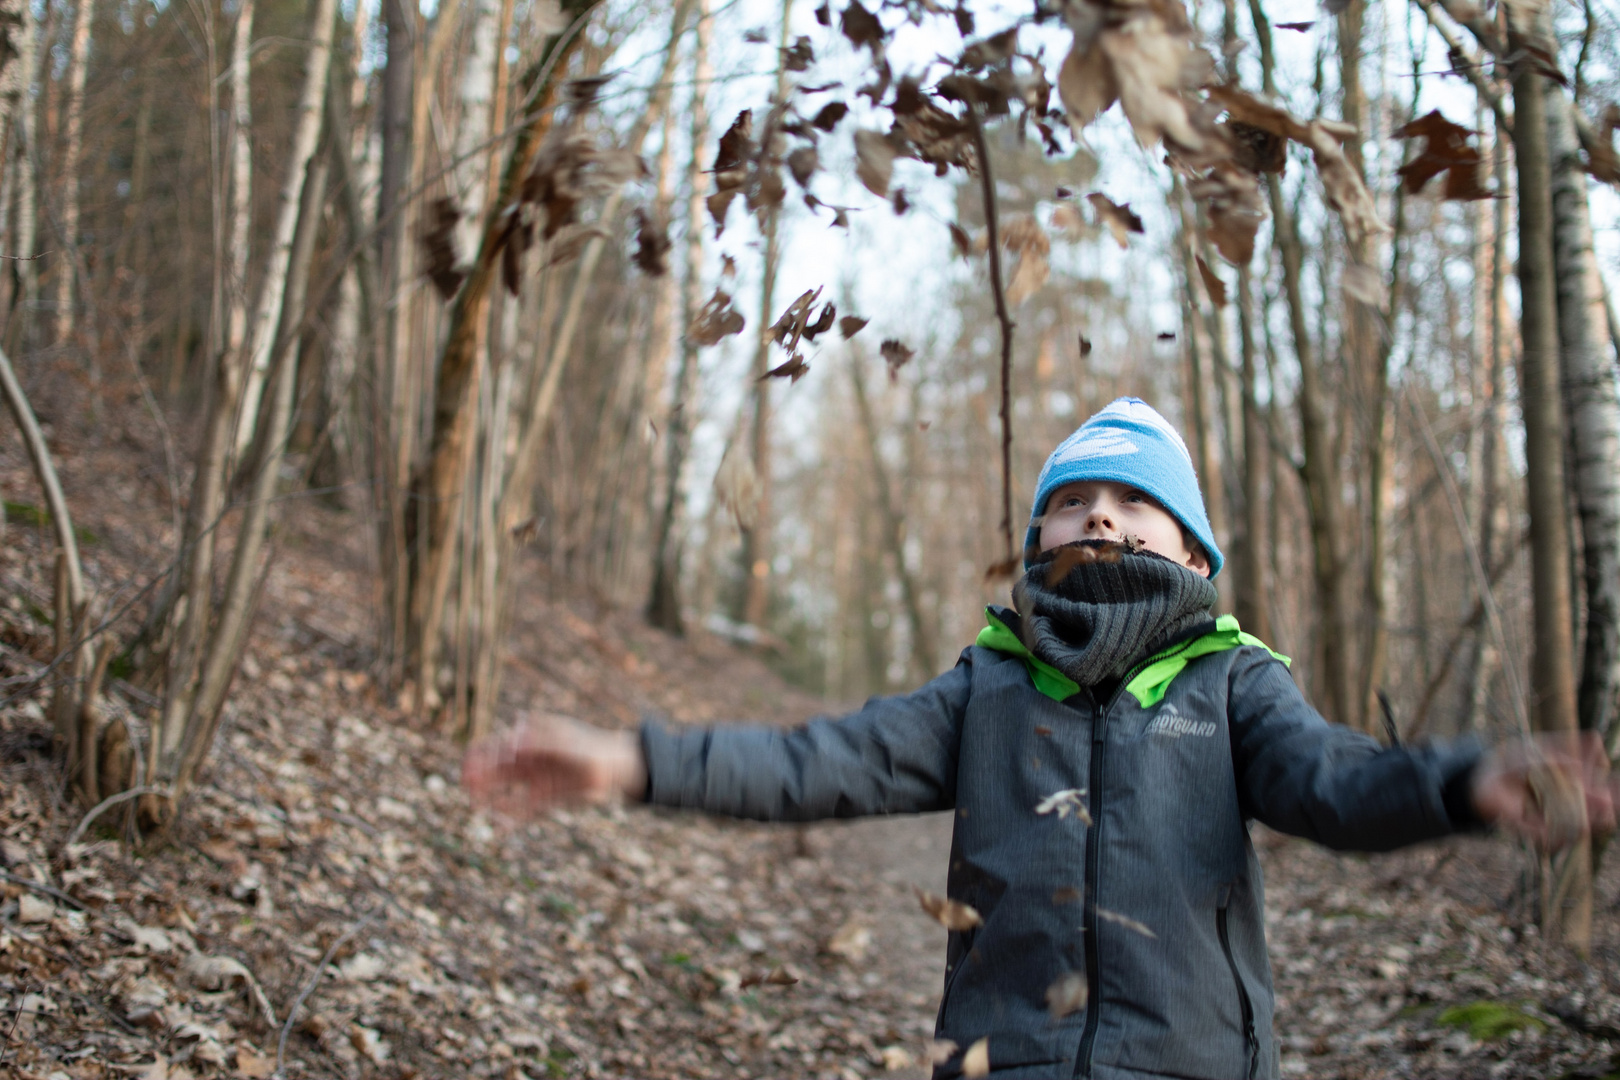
1250, 1041
1088, 1038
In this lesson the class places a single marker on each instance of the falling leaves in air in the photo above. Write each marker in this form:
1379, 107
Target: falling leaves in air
570, 244
802, 163
874, 161
1212, 282
736, 485
793, 369
1445, 150
824, 14
1085, 345
1118, 217
798, 56
1126, 921
1299, 27
940, 1051
715, 320
899, 201
850, 325
976, 1062
851, 940
961, 240
1166, 335
438, 243
1024, 237
756, 35
1065, 894
951, 914
1066, 995
1066, 802
1066, 219
1003, 569
1598, 141
790, 326
862, 29
897, 355
1363, 283
828, 116
652, 244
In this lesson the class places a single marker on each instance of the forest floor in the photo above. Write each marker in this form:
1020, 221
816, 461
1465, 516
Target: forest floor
329, 882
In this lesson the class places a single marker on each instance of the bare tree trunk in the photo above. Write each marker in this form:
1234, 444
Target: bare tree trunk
756, 549
1253, 592
1552, 672
1593, 408
923, 649
241, 158
72, 147
664, 597
25, 286
437, 483
306, 134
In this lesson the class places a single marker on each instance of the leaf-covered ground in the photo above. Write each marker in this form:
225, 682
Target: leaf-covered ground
622, 942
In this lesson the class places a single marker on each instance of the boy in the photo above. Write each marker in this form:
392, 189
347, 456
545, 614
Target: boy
1103, 745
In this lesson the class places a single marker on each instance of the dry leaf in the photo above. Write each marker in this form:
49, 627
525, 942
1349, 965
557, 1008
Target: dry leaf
850, 325
1027, 278
828, 116
951, 914
1003, 569
1212, 283
1342, 188
1067, 995
862, 28
851, 940
1363, 283
1085, 345
1067, 220
1126, 921
438, 243
652, 244
368, 1044
736, 484
874, 164
1445, 147
715, 320
939, 1051
1117, 216
254, 1066
961, 240
896, 354
976, 1062
34, 909
895, 1058
802, 163
1299, 26
1066, 802
793, 369
1086, 84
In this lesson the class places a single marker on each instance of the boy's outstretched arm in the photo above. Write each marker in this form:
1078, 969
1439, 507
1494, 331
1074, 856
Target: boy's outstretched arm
895, 755
1303, 776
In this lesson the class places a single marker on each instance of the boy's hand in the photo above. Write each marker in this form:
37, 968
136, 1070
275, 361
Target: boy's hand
1552, 790
548, 760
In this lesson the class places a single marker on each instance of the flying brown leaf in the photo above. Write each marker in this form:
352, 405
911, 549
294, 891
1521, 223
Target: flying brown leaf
1342, 188
718, 204
1126, 921
851, 940
736, 149
1066, 802
793, 370
1598, 141
829, 114
940, 1051
951, 914
1028, 276
897, 355
862, 28
715, 320
1085, 345
961, 240
1086, 84
802, 163
1003, 569
1363, 283
1117, 216
850, 325
976, 1062
1166, 335
1067, 995
652, 244
1301, 27
736, 485
874, 164
1212, 282
1067, 220
798, 56
823, 322
438, 242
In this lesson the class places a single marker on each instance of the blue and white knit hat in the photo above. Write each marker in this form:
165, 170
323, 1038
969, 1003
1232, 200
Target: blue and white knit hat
1129, 443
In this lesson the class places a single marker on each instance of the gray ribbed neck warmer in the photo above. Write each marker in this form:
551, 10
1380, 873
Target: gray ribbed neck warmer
1109, 610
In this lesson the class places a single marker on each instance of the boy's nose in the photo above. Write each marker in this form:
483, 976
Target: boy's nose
1098, 521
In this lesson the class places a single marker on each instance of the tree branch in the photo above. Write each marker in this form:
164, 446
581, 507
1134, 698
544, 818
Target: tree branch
988, 186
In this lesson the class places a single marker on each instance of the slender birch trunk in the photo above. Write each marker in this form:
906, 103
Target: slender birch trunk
72, 149
664, 596
1592, 406
306, 134
23, 271
241, 162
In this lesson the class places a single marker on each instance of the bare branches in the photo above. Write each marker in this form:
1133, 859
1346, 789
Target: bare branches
987, 185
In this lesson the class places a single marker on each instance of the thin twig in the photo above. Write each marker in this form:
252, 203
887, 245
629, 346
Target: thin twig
309, 988
107, 804
46, 889
15, 1020
25, 258
988, 186
1472, 69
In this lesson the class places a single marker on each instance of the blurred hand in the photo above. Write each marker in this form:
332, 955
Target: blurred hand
1552, 790
548, 760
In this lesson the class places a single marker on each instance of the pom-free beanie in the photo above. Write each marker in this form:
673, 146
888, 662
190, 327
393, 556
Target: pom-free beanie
1128, 443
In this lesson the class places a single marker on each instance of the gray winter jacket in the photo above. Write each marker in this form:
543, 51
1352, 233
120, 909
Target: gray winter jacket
1172, 769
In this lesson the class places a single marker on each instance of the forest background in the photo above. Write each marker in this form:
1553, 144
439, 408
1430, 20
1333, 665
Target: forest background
759, 320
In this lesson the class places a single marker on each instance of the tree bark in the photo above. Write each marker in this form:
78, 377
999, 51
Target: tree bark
664, 596
72, 148
241, 159
1593, 408
1553, 705
306, 134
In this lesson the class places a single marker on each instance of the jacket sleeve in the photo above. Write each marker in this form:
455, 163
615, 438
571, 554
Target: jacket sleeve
896, 755
1301, 775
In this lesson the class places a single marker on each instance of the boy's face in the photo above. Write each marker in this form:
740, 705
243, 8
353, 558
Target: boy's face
1104, 510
